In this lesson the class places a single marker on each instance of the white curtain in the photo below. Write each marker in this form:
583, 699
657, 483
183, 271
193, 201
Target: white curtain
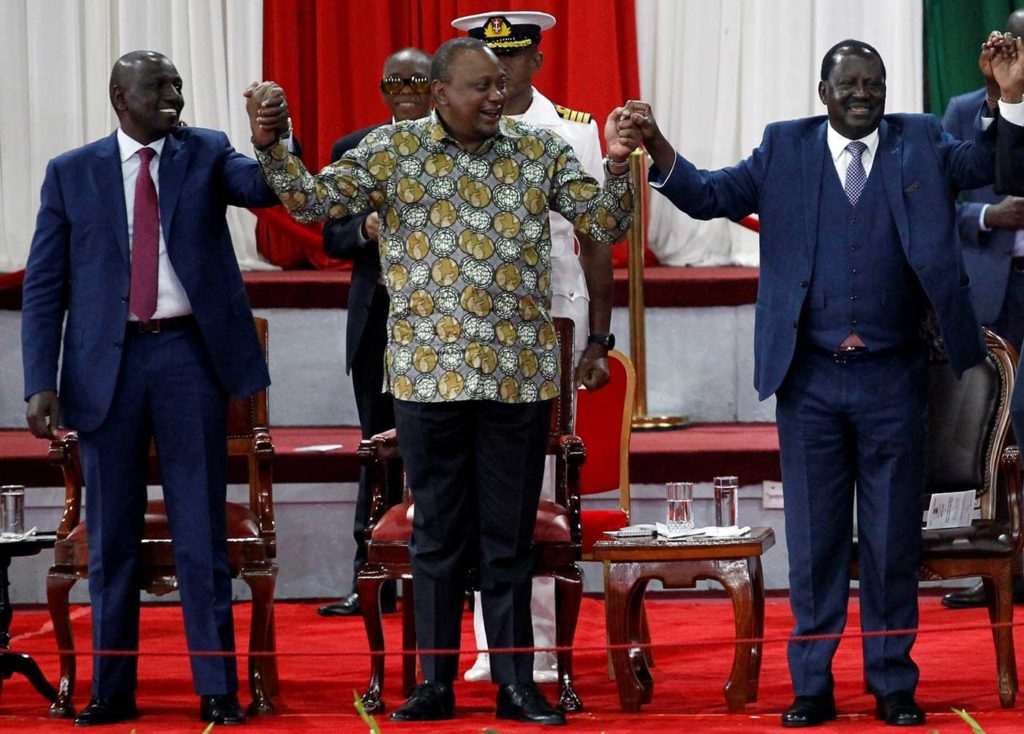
717, 72
58, 56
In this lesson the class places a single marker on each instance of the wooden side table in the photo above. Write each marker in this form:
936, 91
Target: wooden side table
630, 564
10, 662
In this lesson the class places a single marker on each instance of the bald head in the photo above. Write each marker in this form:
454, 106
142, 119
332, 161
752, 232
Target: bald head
1015, 23
145, 91
416, 57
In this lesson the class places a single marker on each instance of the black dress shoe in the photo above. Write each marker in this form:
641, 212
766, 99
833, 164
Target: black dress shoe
966, 598
809, 711
108, 710
524, 702
974, 597
899, 709
223, 709
349, 607
429, 702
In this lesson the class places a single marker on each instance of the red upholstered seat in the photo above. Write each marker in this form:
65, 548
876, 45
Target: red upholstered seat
396, 524
596, 522
241, 523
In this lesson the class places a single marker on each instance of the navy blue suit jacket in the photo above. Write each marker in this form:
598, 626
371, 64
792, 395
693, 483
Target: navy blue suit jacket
80, 264
922, 169
343, 239
986, 254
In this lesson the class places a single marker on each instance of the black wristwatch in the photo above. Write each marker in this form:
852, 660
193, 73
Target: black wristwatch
605, 340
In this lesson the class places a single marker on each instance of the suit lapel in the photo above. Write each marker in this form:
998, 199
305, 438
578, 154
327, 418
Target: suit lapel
173, 164
812, 155
889, 158
110, 187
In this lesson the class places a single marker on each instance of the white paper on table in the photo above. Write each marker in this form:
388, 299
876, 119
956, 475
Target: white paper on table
664, 532
320, 447
16, 537
950, 510
632, 531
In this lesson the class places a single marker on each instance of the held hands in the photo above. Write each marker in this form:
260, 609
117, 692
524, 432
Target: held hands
592, 371
1006, 58
621, 135
41, 414
268, 112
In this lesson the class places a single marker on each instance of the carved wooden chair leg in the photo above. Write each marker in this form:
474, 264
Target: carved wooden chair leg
999, 591
568, 594
58, 588
368, 586
408, 637
262, 668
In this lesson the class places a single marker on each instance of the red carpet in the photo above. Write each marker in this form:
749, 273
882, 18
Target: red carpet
957, 670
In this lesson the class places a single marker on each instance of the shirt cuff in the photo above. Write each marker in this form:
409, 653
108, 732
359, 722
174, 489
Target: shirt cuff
1012, 112
659, 179
981, 219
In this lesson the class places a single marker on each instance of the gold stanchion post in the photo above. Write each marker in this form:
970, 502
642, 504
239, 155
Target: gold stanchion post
637, 328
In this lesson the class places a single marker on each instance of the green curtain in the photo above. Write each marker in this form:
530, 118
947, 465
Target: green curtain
953, 33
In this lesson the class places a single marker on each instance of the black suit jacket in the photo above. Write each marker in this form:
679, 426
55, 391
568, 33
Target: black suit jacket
343, 239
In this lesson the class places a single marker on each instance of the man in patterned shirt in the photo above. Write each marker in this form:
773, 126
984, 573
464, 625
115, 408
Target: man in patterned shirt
472, 361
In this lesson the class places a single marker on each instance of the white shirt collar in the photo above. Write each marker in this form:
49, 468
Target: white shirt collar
837, 143
129, 146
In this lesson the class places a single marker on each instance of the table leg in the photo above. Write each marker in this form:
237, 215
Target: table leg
735, 577
10, 662
757, 589
624, 590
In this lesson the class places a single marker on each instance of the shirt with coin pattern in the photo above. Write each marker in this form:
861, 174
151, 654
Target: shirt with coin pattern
465, 247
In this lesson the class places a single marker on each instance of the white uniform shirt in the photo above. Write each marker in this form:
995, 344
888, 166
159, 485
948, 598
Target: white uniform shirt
567, 279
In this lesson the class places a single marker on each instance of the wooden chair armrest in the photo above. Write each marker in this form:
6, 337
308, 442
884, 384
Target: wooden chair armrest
64, 454
261, 483
379, 454
1011, 468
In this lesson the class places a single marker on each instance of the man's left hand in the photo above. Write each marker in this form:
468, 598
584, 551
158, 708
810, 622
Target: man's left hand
268, 112
592, 371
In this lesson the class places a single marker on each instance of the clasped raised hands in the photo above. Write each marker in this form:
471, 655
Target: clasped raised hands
268, 112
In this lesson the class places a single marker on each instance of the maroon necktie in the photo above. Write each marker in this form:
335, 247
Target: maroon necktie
145, 241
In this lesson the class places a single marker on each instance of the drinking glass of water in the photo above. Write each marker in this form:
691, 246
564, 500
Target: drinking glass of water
680, 506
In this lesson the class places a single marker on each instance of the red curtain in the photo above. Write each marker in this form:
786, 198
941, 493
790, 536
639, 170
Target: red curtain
328, 55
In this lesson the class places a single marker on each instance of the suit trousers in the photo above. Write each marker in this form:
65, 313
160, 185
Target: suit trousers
376, 414
859, 425
475, 470
1010, 322
166, 392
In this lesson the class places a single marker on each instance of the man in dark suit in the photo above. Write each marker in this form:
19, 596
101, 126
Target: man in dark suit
405, 88
132, 246
858, 241
992, 233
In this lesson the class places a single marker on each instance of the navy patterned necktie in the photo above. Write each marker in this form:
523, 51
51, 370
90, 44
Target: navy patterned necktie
856, 178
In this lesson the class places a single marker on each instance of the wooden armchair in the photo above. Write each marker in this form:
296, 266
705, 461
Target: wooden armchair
557, 537
252, 547
969, 421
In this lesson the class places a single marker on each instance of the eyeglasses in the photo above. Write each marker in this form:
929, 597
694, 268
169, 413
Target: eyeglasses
393, 84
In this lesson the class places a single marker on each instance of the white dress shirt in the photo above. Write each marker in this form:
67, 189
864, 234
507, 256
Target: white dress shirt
841, 157
171, 299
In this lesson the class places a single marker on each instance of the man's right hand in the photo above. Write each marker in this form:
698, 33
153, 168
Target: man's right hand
1007, 214
371, 227
42, 414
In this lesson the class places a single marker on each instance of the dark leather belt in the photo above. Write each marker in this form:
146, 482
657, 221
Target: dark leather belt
155, 326
1017, 264
854, 354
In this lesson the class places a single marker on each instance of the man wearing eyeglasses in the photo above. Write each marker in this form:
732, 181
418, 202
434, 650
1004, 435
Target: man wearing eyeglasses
406, 91
581, 276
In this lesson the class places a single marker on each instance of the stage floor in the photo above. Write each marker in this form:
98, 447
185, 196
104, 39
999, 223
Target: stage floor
323, 664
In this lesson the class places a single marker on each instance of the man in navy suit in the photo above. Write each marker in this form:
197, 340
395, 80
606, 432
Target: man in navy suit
992, 232
405, 88
132, 247
858, 242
